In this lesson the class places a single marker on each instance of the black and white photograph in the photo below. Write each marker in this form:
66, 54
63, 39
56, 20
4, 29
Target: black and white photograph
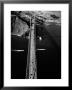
36, 44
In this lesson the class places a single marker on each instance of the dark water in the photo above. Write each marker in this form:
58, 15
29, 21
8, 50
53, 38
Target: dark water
18, 59
48, 64
18, 64
48, 60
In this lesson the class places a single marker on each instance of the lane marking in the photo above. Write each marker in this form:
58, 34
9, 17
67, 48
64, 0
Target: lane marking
18, 50
41, 49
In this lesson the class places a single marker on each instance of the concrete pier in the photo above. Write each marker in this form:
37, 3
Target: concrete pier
32, 64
